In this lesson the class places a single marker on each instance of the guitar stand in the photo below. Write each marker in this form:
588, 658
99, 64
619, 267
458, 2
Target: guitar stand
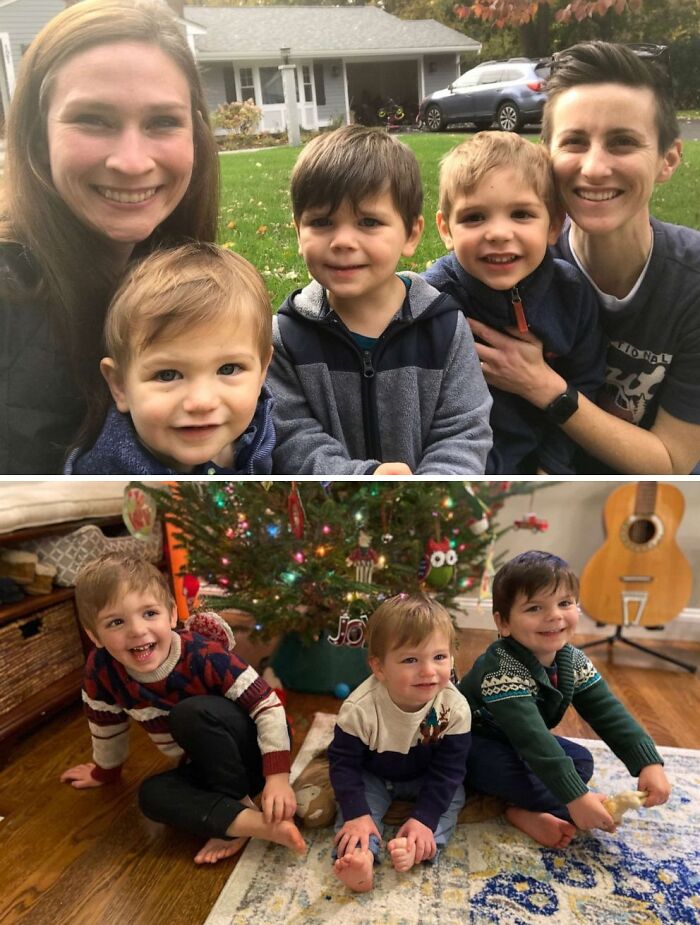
618, 637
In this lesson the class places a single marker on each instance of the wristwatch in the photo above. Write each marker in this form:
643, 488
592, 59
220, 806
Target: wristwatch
563, 406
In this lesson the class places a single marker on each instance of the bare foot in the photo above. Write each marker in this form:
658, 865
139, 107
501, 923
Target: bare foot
545, 828
216, 849
250, 823
356, 870
402, 857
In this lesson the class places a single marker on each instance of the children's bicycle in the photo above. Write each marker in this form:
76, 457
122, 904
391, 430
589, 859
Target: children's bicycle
392, 114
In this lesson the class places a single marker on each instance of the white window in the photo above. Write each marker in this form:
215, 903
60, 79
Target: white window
271, 83
247, 85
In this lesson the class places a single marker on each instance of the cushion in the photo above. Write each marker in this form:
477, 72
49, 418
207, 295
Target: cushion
36, 504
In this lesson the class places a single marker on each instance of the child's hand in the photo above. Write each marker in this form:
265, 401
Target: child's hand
588, 812
279, 801
654, 781
356, 832
419, 834
396, 468
80, 776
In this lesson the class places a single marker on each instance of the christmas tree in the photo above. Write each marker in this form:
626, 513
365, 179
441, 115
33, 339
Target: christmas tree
304, 556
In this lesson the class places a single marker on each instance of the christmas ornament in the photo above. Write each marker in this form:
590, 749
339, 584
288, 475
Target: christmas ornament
531, 521
351, 631
341, 690
190, 588
295, 512
437, 567
486, 575
477, 527
139, 513
364, 558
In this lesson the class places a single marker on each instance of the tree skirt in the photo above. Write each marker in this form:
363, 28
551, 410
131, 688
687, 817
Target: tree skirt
647, 873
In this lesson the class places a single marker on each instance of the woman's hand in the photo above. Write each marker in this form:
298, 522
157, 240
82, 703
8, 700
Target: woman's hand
515, 363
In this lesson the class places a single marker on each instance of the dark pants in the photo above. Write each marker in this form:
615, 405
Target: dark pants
494, 767
223, 765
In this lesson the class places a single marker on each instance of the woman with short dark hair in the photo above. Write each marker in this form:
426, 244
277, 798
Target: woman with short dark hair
611, 128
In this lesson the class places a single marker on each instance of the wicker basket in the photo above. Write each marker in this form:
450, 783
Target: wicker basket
37, 650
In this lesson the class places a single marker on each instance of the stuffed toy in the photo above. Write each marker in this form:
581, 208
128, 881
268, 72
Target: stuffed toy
315, 799
213, 627
628, 799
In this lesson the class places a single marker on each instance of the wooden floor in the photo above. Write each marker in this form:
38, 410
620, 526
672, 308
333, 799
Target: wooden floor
89, 858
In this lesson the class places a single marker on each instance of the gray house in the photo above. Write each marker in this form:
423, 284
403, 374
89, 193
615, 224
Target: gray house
346, 58
20, 20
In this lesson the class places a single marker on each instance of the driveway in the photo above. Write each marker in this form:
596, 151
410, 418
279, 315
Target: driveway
690, 129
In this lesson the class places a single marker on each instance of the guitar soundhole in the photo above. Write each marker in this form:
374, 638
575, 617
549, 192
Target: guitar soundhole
642, 533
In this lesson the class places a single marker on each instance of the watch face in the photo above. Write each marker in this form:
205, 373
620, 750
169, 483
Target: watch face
563, 406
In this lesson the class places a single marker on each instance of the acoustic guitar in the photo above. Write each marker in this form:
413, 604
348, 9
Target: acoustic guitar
639, 576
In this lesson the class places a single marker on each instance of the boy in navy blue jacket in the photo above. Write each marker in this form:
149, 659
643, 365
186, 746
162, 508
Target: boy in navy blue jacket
189, 338
498, 213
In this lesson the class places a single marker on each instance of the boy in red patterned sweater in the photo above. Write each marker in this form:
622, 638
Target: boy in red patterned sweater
200, 704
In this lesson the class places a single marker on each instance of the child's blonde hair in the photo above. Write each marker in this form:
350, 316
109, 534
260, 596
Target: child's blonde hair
102, 581
464, 167
180, 288
406, 620
355, 163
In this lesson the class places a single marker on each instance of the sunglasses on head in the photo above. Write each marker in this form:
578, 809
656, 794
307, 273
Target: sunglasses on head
660, 55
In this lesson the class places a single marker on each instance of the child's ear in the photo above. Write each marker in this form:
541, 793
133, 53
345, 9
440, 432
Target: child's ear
266, 363
91, 636
413, 239
443, 228
173, 617
375, 665
110, 371
296, 231
501, 625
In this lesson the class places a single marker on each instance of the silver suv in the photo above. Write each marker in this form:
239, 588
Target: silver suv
510, 93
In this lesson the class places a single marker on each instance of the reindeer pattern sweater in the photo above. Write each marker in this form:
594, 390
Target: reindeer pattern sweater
372, 734
111, 695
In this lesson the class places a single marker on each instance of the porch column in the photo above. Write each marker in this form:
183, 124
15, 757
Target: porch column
290, 99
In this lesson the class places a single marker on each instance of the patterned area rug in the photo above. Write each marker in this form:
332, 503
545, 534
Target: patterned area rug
648, 873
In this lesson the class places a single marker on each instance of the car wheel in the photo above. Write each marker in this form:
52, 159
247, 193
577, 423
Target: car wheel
434, 119
508, 117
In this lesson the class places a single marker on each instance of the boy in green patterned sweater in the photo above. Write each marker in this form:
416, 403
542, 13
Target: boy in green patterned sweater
521, 687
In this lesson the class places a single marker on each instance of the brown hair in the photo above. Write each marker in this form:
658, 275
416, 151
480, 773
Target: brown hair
103, 580
180, 288
465, 166
406, 619
608, 62
356, 163
527, 574
75, 268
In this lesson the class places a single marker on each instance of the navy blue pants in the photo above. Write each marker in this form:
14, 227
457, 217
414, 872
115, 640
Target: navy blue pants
202, 796
494, 767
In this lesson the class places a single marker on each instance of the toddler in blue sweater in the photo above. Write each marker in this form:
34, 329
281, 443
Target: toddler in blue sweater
498, 213
189, 339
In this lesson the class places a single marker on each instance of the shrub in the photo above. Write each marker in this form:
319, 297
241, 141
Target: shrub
685, 65
240, 118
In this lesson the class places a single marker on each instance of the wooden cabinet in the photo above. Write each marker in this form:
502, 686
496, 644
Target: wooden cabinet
42, 649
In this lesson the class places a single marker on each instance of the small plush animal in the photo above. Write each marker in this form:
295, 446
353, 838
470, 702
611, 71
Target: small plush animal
315, 799
621, 802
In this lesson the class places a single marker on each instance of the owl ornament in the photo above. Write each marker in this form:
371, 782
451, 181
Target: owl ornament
437, 567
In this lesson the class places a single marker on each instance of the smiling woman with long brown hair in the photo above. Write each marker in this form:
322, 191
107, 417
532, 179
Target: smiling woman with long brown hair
109, 155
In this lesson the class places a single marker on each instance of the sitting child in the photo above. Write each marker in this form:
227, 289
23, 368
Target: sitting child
402, 734
189, 338
373, 372
521, 687
200, 704
498, 212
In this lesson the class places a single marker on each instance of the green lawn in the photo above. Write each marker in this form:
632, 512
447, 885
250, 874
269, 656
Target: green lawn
256, 214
